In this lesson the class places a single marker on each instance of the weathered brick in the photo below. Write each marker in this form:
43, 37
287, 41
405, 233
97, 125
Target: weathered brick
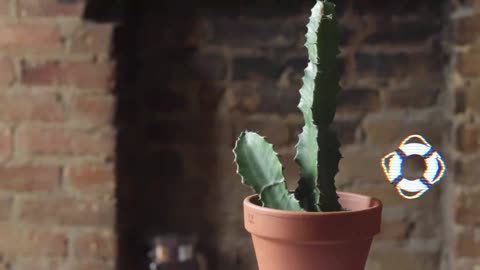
179, 131
98, 244
466, 29
82, 264
91, 37
391, 131
91, 177
92, 110
255, 68
275, 131
411, 97
4, 8
198, 67
471, 264
398, 65
468, 138
398, 259
67, 211
20, 241
468, 172
358, 101
7, 73
49, 263
78, 74
235, 32
27, 107
346, 130
389, 8
33, 8
6, 142
361, 166
21, 37
466, 210
468, 243
394, 230
264, 98
392, 32
59, 141
467, 63
474, 3
5, 207
28, 178
472, 98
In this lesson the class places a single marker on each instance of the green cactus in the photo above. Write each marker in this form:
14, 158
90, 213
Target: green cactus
260, 168
318, 152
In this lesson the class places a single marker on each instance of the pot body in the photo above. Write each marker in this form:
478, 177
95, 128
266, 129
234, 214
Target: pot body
286, 240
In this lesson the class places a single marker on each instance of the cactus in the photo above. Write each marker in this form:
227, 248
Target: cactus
318, 152
260, 168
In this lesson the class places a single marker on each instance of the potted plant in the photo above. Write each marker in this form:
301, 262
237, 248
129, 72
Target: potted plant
313, 227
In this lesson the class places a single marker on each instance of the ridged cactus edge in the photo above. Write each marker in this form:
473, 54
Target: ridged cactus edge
317, 150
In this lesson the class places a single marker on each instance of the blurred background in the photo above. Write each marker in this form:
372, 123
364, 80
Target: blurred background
117, 121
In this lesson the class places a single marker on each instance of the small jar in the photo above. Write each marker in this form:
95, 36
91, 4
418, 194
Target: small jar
173, 252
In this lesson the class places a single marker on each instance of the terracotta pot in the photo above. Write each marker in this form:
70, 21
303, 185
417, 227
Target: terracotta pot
290, 240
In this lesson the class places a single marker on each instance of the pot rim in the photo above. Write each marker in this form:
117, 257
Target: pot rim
375, 204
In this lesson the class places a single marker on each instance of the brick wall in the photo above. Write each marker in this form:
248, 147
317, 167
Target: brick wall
189, 78
465, 114
56, 140
188, 86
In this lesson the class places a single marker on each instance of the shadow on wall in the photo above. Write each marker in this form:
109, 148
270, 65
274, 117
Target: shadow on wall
160, 130
174, 138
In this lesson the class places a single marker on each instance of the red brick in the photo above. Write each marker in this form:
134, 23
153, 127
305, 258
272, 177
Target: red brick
31, 37
468, 138
470, 264
78, 74
5, 208
90, 37
52, 140
468, 243
17, 240
468, 172
396, 258
472, 98
473, 3
467, 208
275, 131
358, 101
467, 63
67, 211
6, 142
92, 177
50, 8
391, 131
466, 29
418, 97
93, 109
28, 263
7, 72
27, 178
26, 107
4, 8
99, 245
362, 166
394, 230
82, 264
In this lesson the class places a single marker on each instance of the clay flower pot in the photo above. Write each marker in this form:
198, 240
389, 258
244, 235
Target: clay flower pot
290, 240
